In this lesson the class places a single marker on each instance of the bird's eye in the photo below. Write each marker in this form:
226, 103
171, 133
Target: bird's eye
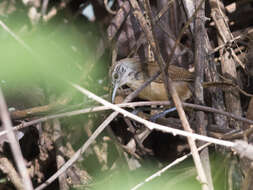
115, 76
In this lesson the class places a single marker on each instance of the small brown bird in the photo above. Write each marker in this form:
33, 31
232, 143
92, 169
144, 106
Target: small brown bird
129, 71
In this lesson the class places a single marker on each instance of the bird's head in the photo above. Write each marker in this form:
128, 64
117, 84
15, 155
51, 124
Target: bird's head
123, 72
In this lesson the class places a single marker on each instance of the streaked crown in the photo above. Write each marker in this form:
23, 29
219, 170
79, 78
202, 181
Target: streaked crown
123, 72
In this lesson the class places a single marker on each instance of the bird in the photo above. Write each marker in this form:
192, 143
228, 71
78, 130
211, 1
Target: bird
130, 72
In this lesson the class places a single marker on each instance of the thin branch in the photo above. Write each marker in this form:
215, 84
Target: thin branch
188, 133
106, 122
231, 41
228, 64
118, 110
15, 147
140, 18
44, 7
108, 8
163, 10
128, 105
118, 20
53, 11
7, 168
200, 62
19, 40
187, 24
144, 85
160, 172
172, 91
149, 124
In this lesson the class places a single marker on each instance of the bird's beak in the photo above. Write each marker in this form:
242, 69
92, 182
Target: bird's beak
116, 86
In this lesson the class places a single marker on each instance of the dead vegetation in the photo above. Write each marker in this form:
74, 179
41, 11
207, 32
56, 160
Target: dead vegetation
63, 138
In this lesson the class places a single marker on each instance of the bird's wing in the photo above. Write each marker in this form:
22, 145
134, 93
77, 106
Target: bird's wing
176, 73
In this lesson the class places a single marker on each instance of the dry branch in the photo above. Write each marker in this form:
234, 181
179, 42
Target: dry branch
228, 64
200, 64
15, 147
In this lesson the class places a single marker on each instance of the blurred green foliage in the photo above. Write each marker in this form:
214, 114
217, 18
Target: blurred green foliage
46, 56
181, 177
51, 54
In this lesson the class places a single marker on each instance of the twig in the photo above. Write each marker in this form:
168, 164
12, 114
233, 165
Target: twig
44, 7
15, 147
209, 109
78, 153
118, 20
228, 65
229, 35
136, 92
189, 21
200, 63
106, 122
163, 10
177, 161
108, 8
55, 9
152, 41
189, 10
7, 168
56, 137
152, 126
35, 111
77, 112
149, 124
19, 40
230, 42
129, 105
158, 21
109, 119
169, 87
